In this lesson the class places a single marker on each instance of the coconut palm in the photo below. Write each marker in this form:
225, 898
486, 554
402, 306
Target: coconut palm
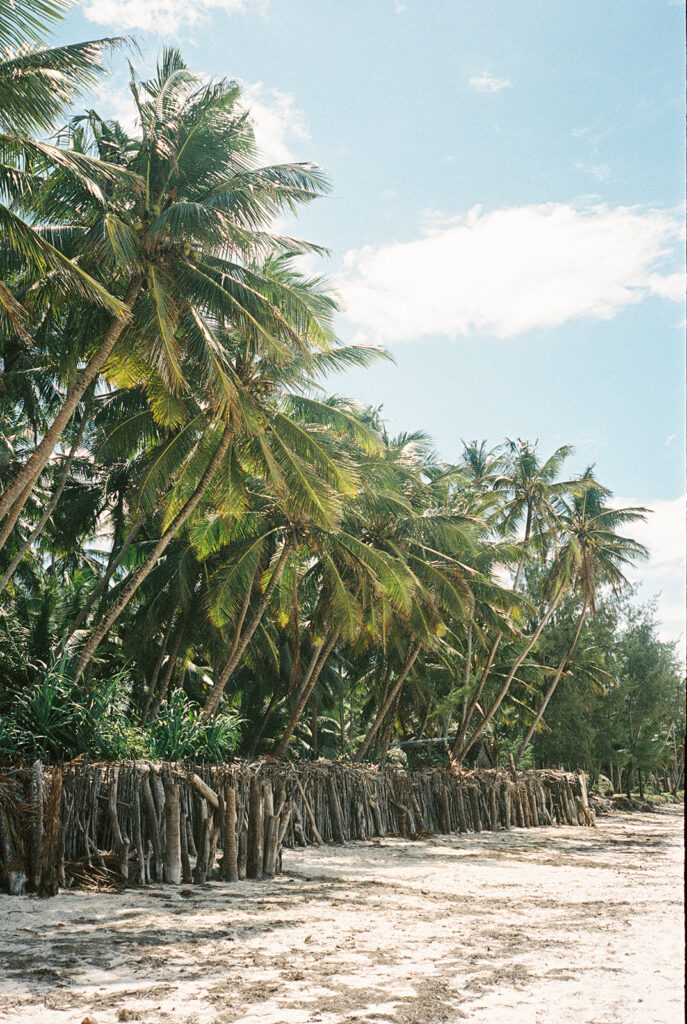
532, 493
173, 220
594, 554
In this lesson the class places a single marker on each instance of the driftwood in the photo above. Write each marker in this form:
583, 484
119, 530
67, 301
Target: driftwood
108, 825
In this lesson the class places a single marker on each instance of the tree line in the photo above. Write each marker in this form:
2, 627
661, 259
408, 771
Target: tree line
203, 550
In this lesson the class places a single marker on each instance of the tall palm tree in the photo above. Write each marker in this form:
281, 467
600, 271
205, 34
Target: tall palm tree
174, 221
532, 493
594, 554
37, 85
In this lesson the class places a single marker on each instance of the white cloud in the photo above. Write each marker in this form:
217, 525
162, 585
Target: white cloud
663, 574
668, 286
164, 16
512, 270
486, 82
278, 123
116, 103
602, 172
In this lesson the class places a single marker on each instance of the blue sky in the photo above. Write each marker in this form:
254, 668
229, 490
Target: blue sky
506, 214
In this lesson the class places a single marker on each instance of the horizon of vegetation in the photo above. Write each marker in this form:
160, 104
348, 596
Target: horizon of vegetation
204, 553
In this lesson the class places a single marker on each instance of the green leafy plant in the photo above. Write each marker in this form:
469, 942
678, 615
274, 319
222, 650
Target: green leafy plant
179, 732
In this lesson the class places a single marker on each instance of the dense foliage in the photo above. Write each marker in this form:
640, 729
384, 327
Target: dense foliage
201, 550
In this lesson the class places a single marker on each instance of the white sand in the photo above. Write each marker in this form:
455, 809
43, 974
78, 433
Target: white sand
534, 926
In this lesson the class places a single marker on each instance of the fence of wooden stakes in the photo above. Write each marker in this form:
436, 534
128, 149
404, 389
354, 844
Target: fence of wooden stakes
106, 825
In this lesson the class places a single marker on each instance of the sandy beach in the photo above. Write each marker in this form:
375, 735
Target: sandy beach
537, 926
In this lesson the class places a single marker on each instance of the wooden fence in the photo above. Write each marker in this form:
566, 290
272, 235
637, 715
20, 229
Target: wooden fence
109, 825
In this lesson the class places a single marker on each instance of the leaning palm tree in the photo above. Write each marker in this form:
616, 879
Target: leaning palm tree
37, 85
175, 222
594, 554
531, 502
289, 439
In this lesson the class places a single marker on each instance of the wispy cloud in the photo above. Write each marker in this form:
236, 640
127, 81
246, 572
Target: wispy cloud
512, 270
166, 17
486, 82
278, 123
115, 102
280, 126
602, 172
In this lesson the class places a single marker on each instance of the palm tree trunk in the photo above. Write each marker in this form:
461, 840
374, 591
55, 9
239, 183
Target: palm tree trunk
141, 574
18, 491
387, 730
171, 665
554, 683
412, 652
50, 508
313, 726
112, 566
342, 716
306, 689
242, 614
474, 700
466, 718
15, 512
215, 695
465, 713
152, 688
265, 719
511, 675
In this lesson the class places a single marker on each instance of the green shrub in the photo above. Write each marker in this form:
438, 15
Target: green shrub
54, 718
178, 732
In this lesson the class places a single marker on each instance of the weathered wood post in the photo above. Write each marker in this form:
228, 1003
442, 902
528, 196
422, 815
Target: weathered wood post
153, 826
172, 858
256, 830
36, 828
48, 858
230, 869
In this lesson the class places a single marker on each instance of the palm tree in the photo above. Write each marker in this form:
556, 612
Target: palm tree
174, 221
37, 84
532, 494
594, 554
299, 459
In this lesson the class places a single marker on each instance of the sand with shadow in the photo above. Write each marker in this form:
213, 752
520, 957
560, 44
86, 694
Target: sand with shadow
532, 926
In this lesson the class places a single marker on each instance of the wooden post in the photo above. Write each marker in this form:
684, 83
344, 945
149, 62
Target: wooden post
256, 830
230, 870
460, 803
243, 847
172, 859
214, 832
49, 841
36, 829
474, 804
335, 810
186, 873
444, 812
138, 835
204, 839
153, 826
493, 808
308, 810
204, 790
159, 797
505, 804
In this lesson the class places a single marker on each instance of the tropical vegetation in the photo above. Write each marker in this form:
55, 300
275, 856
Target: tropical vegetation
202, 550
